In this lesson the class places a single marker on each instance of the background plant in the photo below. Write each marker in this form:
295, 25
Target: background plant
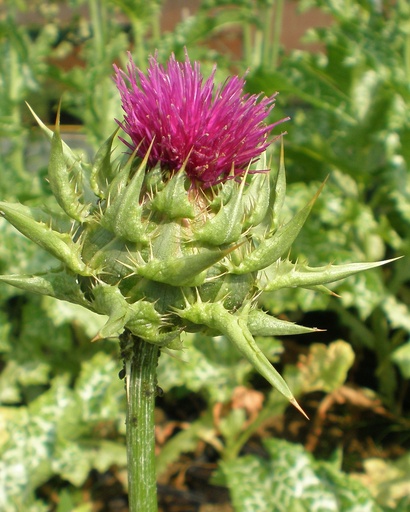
349, 108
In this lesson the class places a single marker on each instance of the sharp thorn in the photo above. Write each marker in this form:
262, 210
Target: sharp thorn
298, 407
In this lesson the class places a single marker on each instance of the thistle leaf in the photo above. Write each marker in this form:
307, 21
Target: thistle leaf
290, 275
123, 216
68, 153
271, 249
140, 318
279, 190
59, 285
58, 244
102, 171
65, 177
226, 227
263, 324
256, 199
235, 328
187, 270
119, 182
71, 161
173, 199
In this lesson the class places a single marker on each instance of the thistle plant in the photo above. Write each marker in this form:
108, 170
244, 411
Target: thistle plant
180, 232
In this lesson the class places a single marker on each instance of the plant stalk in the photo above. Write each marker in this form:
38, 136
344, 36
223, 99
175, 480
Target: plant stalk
140, 363
277, 32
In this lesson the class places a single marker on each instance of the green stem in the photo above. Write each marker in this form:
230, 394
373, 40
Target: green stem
247, 43
140, 362
277, 32
97, 61
138, 33
156, 23
267, 19
99, 19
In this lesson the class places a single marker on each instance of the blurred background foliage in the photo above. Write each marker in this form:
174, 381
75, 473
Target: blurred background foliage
346, 86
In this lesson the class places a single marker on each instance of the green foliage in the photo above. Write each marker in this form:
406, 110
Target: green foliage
157, 267
350, 121
325, 368
388, 481
63, 431
401, 356
214, 370
291, 479
62, 411
210, 366
23, 70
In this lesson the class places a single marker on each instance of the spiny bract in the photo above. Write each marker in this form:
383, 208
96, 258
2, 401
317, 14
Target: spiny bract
159, 256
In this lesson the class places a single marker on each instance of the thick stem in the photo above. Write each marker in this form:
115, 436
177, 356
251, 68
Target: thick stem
140, 363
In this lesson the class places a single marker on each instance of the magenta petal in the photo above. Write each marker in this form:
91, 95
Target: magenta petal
211, 132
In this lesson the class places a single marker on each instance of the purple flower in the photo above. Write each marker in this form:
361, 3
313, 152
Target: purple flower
212, 133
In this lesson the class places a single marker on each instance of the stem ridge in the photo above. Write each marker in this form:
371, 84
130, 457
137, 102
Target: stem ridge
140, 364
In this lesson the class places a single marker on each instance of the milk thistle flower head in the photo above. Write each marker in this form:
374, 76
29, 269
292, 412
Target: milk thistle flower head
137, 240
151, 252
212, 132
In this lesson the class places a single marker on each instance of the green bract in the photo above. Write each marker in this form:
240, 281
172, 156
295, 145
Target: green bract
159, 257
